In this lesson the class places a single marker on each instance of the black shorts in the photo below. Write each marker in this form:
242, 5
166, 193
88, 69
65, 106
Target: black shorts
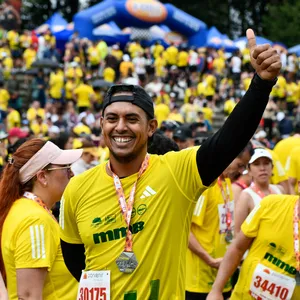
202, 296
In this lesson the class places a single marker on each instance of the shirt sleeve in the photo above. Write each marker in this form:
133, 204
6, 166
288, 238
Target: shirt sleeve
37, 243
67, 218
183, 167
251, 225
279, 173
292, 166
200, 209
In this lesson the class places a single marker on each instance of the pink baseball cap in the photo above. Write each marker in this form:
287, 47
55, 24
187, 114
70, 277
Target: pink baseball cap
48, 154
16, 132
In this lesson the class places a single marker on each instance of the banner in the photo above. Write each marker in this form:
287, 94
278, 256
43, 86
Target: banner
10, 14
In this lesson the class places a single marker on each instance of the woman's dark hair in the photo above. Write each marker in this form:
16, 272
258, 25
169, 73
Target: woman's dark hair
11, 188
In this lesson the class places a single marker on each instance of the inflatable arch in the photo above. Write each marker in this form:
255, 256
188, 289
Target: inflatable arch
140, 14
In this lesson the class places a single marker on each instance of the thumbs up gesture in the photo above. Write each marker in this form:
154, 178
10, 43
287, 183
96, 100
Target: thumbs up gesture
264, 59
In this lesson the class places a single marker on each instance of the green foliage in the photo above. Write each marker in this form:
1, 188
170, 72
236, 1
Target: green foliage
282, 22
35, 12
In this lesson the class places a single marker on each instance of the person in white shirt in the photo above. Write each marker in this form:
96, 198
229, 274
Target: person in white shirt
260, 168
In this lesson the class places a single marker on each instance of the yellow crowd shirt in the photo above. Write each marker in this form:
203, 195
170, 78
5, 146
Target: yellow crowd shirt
279, 174
4, 98
161, 112
284, 148
293, 166
125, 66
270, 224
94, 56
109, 74
206, 228
13, 119
29, 56
32, 113
83, 93
56, 85
164, 202
182, 59
172, 55
30, 239
158, 50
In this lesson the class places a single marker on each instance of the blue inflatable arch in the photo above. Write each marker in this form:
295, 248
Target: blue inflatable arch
141, 14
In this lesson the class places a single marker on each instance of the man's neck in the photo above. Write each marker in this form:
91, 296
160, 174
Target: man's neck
125, 169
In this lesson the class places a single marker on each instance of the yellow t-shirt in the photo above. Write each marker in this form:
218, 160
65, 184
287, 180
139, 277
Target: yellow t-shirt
13, 119
84, 93
30, 239
279, 173
94, 56
157, 50
125, 66
284, 148
109, 74
208, 114
164, 202
206, 228
39, 130
32, 113
29, 56
219, 65
292, 92
229, 106
279, 89
56, 85
161, 112
176, 117
159, 65
4, 98
182, 59
69, 87
172, 55
271, 226
13, 39
293, 165
118, 54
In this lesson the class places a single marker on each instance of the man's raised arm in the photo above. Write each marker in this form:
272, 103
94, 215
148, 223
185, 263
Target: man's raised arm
219, 151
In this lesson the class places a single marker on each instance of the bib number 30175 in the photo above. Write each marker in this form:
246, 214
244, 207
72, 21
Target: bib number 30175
268, 284
94, 285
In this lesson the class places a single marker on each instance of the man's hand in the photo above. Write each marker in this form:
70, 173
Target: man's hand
215, 262
264, 59
213, 295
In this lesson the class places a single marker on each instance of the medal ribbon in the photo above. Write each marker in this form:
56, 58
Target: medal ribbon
296, 235
226, 197
258, 191
39, 201
126, 208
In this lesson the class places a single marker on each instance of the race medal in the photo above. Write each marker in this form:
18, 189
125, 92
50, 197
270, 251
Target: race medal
127, 262
229, 236
298, 278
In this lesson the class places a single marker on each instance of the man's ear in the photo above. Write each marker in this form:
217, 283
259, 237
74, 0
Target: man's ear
152, 127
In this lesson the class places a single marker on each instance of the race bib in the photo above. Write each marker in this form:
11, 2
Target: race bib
270, 285
222, 216
94, 285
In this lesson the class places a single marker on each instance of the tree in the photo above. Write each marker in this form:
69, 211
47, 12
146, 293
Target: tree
35, 12
281, 23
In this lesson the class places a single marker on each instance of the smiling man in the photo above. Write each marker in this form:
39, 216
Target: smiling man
143, 203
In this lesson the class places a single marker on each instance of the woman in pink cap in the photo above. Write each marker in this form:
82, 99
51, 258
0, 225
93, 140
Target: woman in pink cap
31, 258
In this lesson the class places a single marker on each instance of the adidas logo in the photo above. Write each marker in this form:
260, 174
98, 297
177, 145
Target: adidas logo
148, 192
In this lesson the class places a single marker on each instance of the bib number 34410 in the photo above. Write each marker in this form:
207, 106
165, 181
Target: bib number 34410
268, 284
94, 285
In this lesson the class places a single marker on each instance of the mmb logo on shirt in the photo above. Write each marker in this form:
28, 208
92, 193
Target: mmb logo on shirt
117, 233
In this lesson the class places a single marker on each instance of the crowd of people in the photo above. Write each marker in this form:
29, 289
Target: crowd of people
131, 202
